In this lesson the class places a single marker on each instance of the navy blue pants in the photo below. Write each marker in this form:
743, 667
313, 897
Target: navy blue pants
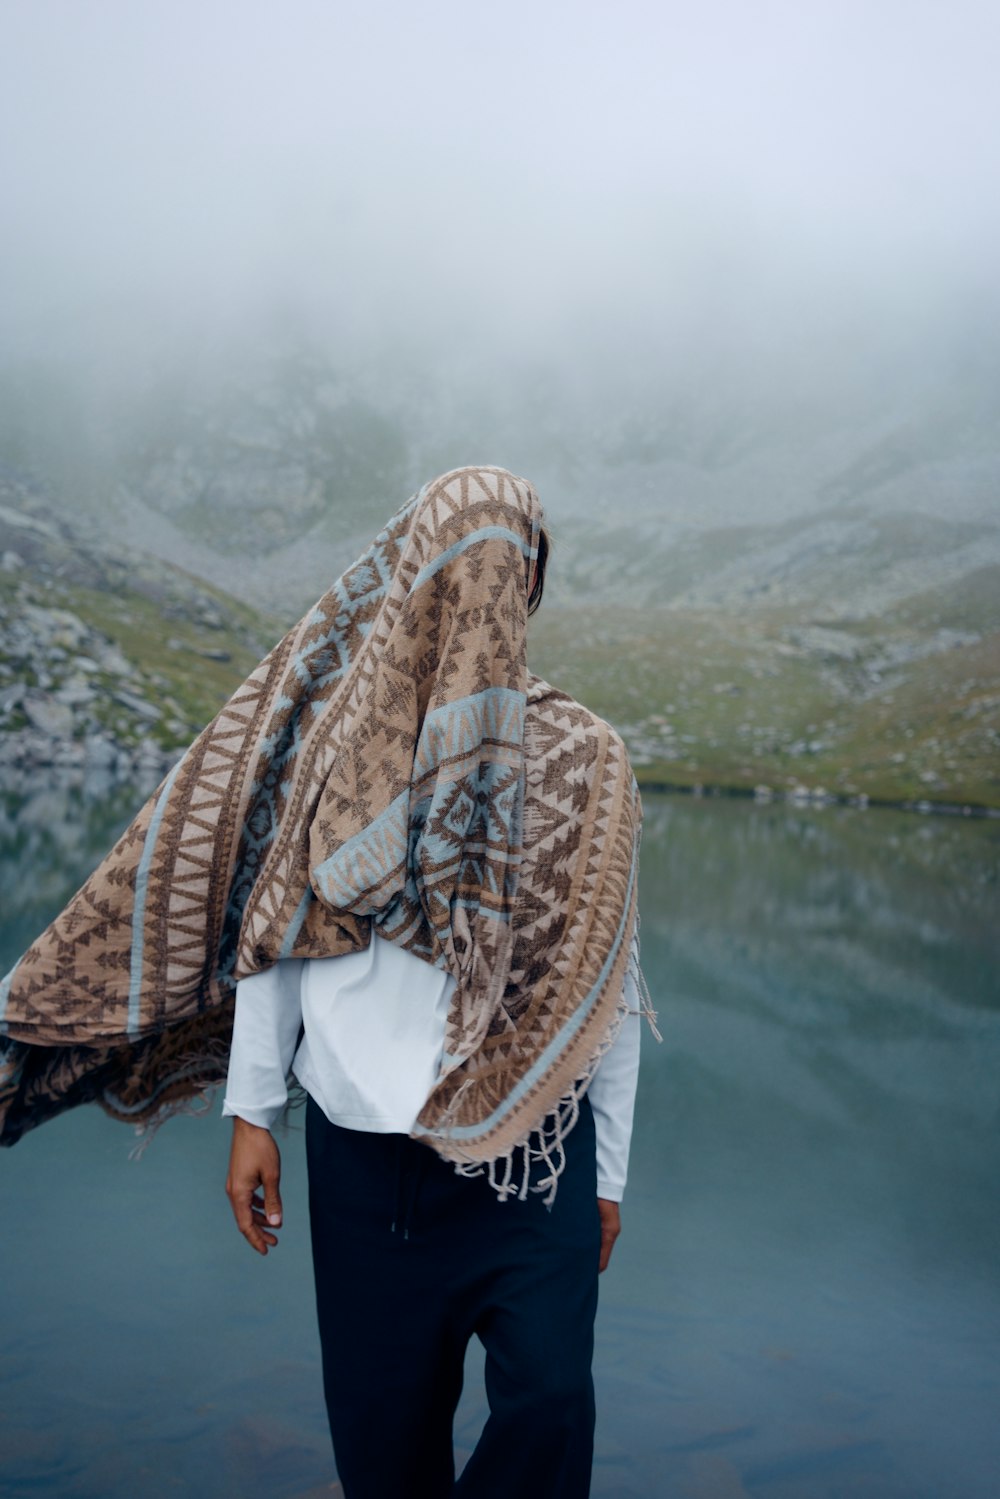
411, 1260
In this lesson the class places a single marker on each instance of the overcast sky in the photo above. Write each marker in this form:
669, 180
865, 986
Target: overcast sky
514, 175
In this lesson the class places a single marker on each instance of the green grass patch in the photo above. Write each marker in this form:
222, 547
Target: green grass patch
705, 699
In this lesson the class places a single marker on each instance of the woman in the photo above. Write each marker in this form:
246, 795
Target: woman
388, 785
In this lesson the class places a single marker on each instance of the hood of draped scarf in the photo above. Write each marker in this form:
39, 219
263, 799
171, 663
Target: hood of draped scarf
390, 771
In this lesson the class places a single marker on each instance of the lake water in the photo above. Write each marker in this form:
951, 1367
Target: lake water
805, 1301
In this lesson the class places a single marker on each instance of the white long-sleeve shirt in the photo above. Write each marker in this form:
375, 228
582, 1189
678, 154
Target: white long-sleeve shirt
372, 1027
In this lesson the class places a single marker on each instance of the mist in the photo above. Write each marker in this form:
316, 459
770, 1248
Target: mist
443, 193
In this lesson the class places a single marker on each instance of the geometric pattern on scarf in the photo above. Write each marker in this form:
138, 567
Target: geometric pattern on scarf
573, 924
380, 773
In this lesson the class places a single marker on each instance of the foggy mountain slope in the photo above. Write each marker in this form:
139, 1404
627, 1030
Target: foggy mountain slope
109, 659
269, 467
753, 598
259, 459
267, 475
281, 579
673, 480
269, 482
107, 655
841, 564
739, 325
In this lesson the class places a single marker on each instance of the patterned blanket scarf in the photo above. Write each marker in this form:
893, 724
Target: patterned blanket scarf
389, 771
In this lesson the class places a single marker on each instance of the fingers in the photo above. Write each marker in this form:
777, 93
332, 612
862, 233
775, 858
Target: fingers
254, 1168
272, 1196
261, 1221
611, 1227
249, 1215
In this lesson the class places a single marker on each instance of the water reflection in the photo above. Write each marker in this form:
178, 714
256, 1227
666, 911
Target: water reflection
53, 830
804, 1301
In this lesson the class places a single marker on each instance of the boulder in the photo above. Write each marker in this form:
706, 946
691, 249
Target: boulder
48, 716
137, 704
75, 691
56, 627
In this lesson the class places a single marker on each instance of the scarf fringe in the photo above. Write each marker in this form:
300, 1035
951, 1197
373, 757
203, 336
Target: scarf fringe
147, 1130
639, 979
510, 1175
210, 1058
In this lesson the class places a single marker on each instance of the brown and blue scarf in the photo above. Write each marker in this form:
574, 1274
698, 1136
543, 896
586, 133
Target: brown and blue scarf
389, 771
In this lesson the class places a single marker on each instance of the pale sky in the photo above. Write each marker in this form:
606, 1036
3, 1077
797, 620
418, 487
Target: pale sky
515, 176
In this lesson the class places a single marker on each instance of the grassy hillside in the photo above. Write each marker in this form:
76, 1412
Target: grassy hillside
905, 708
890, 692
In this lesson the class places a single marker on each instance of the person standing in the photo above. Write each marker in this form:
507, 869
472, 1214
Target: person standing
390, 786
410, 1259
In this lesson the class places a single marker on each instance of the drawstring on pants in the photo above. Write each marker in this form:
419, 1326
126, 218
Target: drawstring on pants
407, 1188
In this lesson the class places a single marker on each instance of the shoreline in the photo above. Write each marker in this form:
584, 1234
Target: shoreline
820, 797
143, 771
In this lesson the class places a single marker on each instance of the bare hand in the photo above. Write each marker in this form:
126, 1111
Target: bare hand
611, 1227
254, 1167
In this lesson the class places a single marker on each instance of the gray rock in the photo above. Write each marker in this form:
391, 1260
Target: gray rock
48, 716
56, 626
99, 752
28, 747
24, 522
68, 752
75, 691
833, 644
112, 660
137, 704
149, 753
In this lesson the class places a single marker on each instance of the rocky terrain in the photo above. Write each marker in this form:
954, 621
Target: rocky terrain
763, 600
266, 474
110, 661
844, 654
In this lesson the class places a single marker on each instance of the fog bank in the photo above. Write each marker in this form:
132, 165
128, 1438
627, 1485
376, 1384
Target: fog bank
443, 182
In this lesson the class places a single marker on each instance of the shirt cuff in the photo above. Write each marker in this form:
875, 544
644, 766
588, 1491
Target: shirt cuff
262, 1117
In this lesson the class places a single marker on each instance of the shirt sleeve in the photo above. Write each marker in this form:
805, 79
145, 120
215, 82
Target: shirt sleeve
612, 1093
265, 1032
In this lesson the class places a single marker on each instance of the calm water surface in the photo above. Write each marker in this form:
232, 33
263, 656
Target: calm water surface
804, 1304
